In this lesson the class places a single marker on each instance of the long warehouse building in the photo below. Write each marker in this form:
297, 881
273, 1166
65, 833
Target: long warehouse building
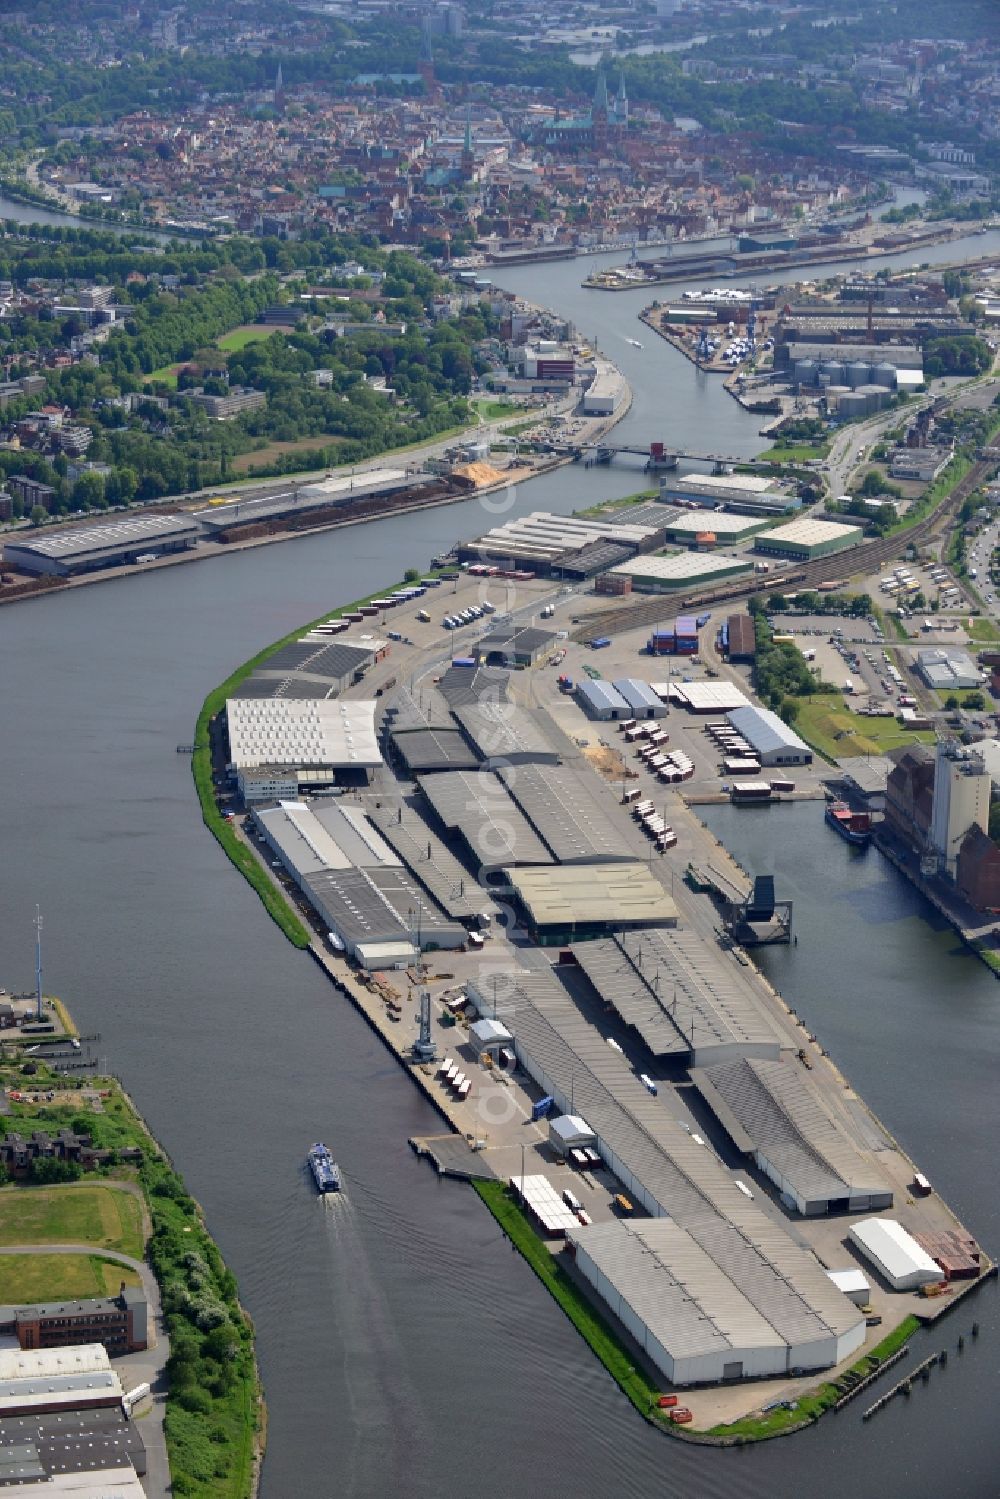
790, 1315
772, 740
773, 1111
83, 549
683, 995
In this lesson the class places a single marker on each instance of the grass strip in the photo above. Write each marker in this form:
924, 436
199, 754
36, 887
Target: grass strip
584, 1317
811, 1405
274, 902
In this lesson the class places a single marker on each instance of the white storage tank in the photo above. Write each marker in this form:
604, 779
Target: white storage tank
884, 374
858, 373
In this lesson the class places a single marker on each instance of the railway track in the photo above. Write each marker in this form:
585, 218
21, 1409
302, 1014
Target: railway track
866, 558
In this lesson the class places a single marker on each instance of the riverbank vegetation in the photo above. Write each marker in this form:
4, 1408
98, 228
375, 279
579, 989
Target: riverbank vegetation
205, 765
584, 1316
214, 1412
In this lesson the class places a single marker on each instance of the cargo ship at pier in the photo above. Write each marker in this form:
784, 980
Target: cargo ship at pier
326, 1172
853, 827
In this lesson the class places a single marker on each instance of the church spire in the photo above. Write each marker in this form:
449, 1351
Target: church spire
601, 91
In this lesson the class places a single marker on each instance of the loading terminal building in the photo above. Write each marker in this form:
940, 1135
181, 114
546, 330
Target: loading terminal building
684, 996
662, 574
576, 902
314, 667
279, 747
807, 539
733, 1296
725, 527
573, 546
770, 738
302, 499
83, 549
380, 914
752, 494
775, 1113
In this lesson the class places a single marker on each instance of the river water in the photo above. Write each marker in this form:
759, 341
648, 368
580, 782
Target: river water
404, 1347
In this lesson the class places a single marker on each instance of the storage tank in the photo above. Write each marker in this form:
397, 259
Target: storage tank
853, 404
805, 371
857, 373
877, 396
834, 371
834, 395
884, 374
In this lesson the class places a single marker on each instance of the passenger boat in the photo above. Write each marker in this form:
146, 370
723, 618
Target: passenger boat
854, 827
326, 1172
635, 343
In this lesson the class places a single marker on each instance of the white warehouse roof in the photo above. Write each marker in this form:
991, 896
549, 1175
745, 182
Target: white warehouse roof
766, 731
302, 732
688, 1303
489, 1032
895, 1253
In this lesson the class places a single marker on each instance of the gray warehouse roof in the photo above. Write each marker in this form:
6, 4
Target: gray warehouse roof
505, 731
601, 696
639, 695
765, 730
774, 1108
565, 808
680, 992
434, 865
688, 1302
341, 491
433, 749
377, 905
460, 685
82, 542
479, 806
639, 1140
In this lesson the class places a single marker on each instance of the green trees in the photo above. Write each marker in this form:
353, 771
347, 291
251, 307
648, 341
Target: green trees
956, 356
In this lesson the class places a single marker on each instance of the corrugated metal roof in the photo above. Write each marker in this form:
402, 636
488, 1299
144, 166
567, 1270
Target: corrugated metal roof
434, 865
433, 749
480, 807
639, 695
765, 730
685, 1299
784, 1283
601, 696
505, 731
782, 1112
564, 807
591, 894
680, 992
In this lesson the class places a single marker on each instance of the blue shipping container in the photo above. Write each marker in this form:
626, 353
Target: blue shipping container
464, 661
541, 1108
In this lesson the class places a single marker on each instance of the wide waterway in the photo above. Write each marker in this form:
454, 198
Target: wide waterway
404, 1347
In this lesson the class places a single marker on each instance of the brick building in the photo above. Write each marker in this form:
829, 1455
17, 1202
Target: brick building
120, 1323
909, 796
977, 874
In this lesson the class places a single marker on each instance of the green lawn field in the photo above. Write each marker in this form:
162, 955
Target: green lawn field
59, 1277
90, 1214
836, 732
249, 333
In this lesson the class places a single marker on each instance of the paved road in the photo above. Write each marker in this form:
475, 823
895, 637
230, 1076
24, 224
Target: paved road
147, 1367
